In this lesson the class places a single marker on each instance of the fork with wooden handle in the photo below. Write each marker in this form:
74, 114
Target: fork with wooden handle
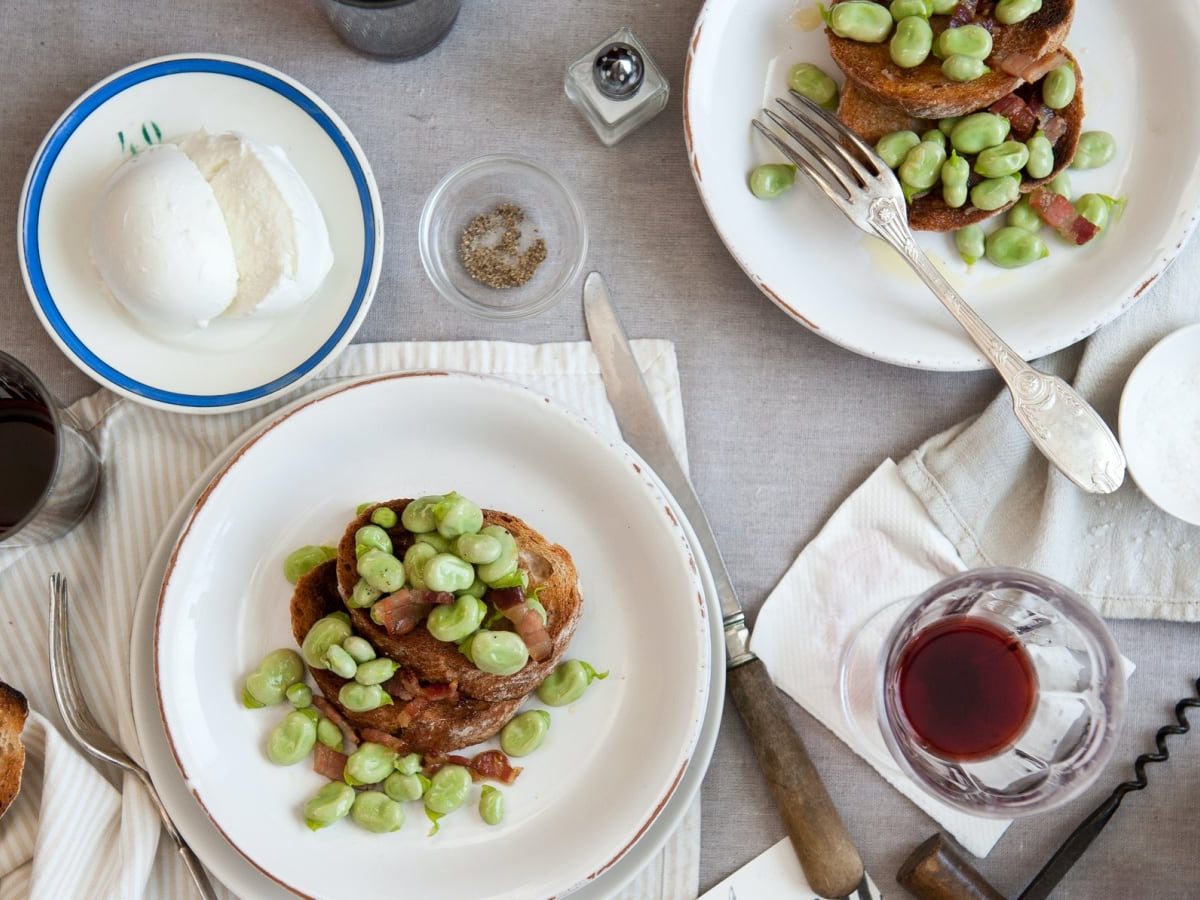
90, 736
1068, 431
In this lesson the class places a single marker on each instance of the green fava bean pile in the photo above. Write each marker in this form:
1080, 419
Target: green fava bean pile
860, 20
956, 171
269, 683
567, 682
417, 517
979, 131
963, 68
1013, 12
448, 789
377, 812
498, 652
325, 633
1011, 248
478, 549
369, 764
331, 803
491, 805
454, 514
446, 572
525, 733
912, 42
921, 168
1041, 156
1096, 148
970, 243
300, 562
996, 193
404, 788
811, 81
971, 41
381, 571
292, 739
453, 622
1003, 159
772, 180
893, 148
371, 537
363, 697
1058, 88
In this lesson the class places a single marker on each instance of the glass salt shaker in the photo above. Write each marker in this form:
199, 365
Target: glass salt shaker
617, 87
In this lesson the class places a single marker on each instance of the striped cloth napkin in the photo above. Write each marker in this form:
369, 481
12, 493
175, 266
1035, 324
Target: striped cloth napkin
80, 830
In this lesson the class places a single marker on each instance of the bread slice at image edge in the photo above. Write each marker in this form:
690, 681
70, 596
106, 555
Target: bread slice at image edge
925, 92
442, 726
550, 566
13, 711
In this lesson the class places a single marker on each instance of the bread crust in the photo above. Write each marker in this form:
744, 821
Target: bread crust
435, 660
442, 726
14, 709
923, 91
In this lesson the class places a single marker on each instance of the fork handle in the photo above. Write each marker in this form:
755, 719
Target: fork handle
1063, 426
196, 870
194, 867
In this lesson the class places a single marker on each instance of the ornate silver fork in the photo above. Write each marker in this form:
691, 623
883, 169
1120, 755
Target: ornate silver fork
89, 735
1067, 430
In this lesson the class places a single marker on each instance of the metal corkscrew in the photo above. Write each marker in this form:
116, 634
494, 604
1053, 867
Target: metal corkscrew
936, 870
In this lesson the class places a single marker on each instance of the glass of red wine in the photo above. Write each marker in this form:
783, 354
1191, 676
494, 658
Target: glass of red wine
998, 691
49, 467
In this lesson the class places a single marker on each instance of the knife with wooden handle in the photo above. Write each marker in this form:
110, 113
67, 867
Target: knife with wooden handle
827, 855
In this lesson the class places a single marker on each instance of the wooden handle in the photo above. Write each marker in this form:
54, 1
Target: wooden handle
937, 871
827, 855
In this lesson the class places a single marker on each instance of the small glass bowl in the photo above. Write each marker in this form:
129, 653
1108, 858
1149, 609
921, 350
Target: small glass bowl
551, 213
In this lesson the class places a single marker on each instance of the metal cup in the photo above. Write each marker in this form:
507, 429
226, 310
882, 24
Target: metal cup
59, 464
392, 29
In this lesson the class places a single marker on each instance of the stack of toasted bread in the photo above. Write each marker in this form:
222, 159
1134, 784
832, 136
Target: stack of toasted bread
442, 701
13, 712
880, 97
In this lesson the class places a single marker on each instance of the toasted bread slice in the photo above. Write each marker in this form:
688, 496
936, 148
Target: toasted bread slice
549, 565
871, 120
923, 91
13, 712
440, 727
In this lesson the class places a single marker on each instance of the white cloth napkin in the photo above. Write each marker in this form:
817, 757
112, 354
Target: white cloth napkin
77, 830
774, 874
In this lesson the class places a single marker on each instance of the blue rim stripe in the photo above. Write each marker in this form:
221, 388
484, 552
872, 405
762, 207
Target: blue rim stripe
45, 163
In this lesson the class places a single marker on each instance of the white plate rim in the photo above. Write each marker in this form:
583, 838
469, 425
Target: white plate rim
1148, 275
706, 634
28, 211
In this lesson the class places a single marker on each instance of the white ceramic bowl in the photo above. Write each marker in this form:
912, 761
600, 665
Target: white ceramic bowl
233, 363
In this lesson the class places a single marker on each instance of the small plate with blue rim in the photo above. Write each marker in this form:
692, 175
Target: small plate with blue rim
230, 364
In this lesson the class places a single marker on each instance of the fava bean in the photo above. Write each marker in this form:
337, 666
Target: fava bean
1011, 248
944, 7
995, 193
376, 671
498, 652
371, 537
292, 739
506, 562
972, 41
1041, 156
331, 803
417, 517
1058, 88
339, 662
363, 697
902, 9
381, 571
922, 166
956, 172
1100, 209
934, 136
491, 805
477, 589
970, 244
567, 682
384, 517
811, 81
363, 507
446, 572
453, 622
363, 595
409, 764
892, 148
1023, 216
1008, 158
300, 695
1060, 184
377, 812
979, 131
448, 788
325, 633
479, 549
359, 649
311, 714
329, 735
436, 541
516, 578
456, 515
962, 69
1096, 148
525, 733
302, 561
912, 42
860, 20
1012, 12
945, 126
268, 684
369, 764
414, 564
404, 788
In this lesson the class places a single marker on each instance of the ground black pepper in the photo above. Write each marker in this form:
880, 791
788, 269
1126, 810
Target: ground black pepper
490, 248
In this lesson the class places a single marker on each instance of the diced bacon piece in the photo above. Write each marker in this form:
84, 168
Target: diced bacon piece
1016, 63
410, 711
437, 691
431, 762
1017, 111
403, 611
525, 619
328, 763
964, 13
1059, 213
1038, 70
1055, 128
384, 739
396, 687
329, 711
495, 765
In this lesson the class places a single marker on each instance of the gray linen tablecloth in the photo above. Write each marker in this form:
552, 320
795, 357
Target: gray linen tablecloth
770, 470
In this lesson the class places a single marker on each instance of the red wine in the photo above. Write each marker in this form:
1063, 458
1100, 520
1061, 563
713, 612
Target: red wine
967, 687
28, 450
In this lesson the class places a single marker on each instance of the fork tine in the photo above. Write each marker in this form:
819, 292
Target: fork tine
838, 128
67, 692
803, 164
860, 171
849, 185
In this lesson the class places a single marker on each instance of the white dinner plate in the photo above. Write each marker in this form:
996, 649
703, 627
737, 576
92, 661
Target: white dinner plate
853, 289
617, 757
233, 363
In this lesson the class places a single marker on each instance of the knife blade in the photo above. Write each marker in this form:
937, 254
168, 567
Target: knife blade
827, 854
